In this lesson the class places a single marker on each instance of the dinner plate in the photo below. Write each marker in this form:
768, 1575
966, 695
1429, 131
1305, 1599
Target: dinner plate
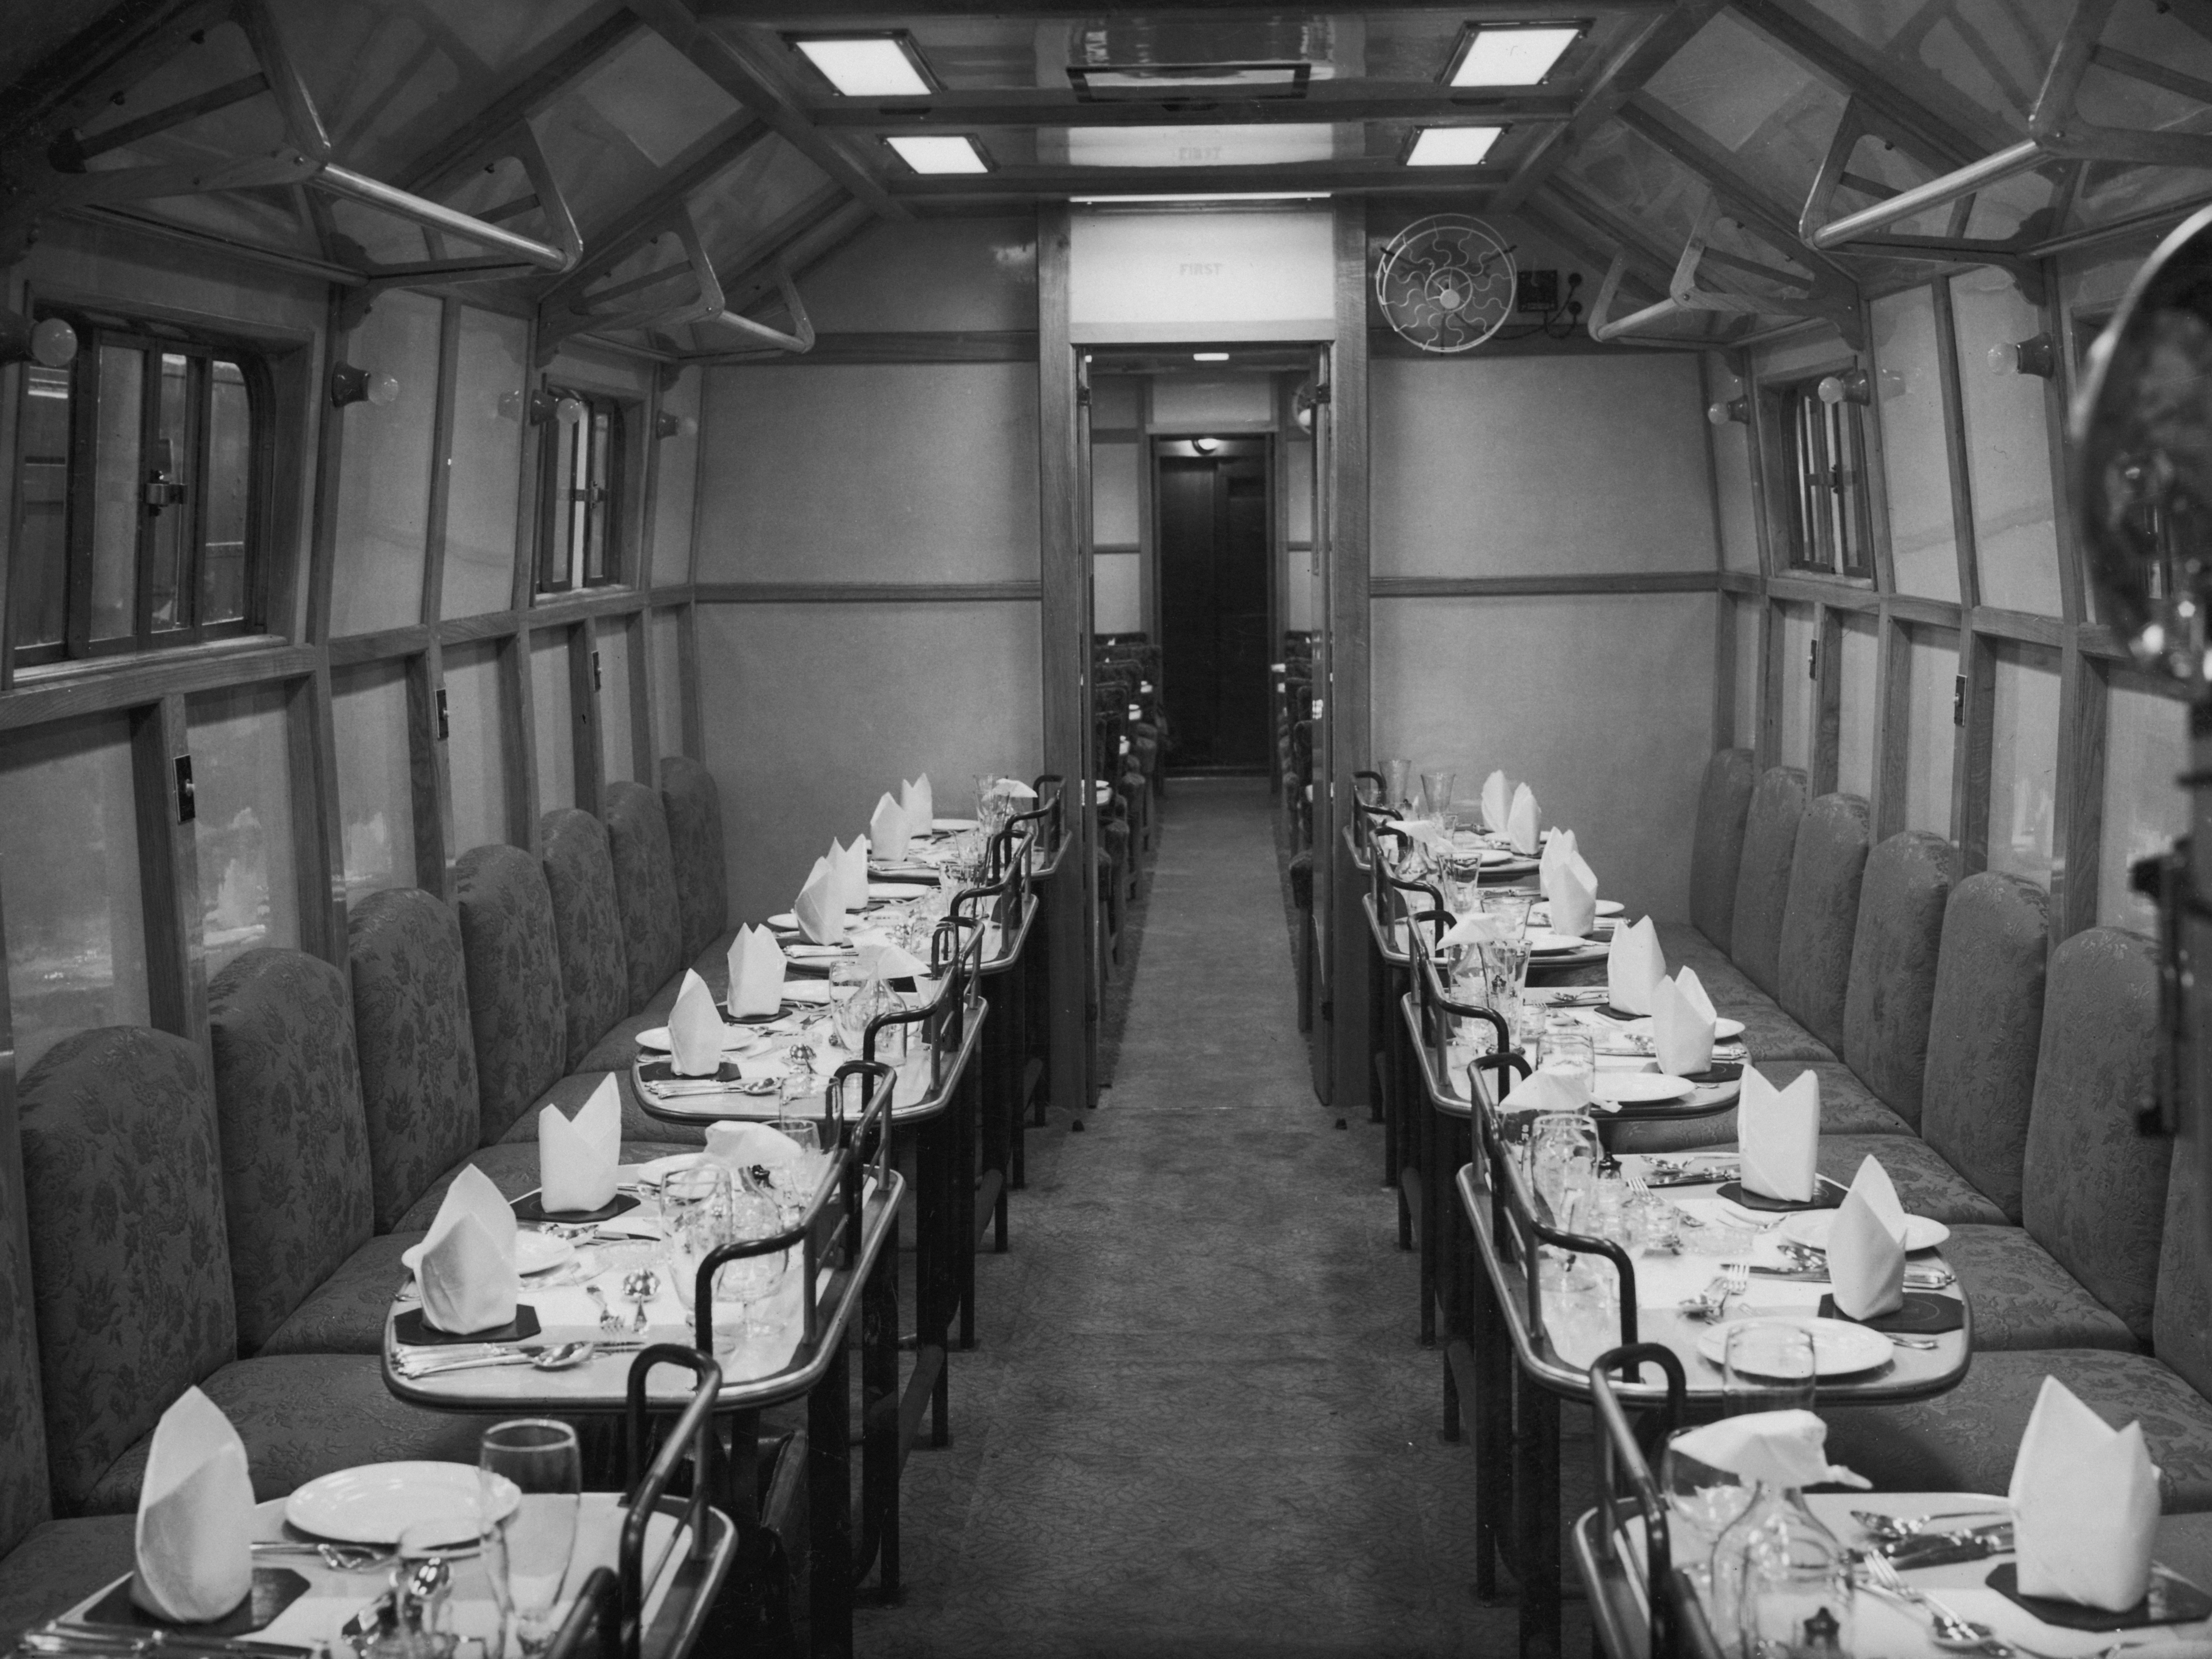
896, 892
1839, 1347
540, 1253
1724, 1028
817, 952
655, 1037
1811, 1227
1605, 907
1543, 942
377, 1502
783, 919
1639, 1088
952, 823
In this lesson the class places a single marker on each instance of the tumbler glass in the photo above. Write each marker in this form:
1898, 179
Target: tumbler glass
529, 1473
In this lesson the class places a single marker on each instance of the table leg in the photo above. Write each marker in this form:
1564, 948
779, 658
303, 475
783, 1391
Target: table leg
829, 1505
969, 1114
1493, 1414
1536, 1517
879, 1419
1427, 1156
936, 1169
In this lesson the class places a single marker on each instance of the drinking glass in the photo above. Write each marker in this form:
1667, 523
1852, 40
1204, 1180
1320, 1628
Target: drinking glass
1508, 908
848, 981
1400, 772
535, 1461
798, 1082
1767, 1365
750, 1285
1566, 1153
1437, 794
697, 1207
1702, 1502
1568, 1051
1506, 965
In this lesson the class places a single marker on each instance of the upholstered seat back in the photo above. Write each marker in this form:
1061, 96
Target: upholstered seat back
695, 842
1819, 926
518, 1016
2095, 1188
1985, 1030
411, 1031
645, 887
122, 1178
1717, 852
1893, 964
580, 874
24, 1499
1762, 881
295, 1180
2181, 1327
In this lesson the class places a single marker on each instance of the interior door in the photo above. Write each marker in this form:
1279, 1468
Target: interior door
1213, 508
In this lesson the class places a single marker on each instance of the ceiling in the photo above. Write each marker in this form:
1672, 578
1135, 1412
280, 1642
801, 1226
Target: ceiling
698, 153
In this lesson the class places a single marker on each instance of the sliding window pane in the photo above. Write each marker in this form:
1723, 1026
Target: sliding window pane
2008, 448
1916, 459
616, 739
2146, 748
476, 748
2023, 761
489, 396
39, 571
598, 496
169, 526
376, 793
115, 493
676, 482
1930, 738
242, 767
384, 481
555, 735
68, 880
562, 510
1858, 700
228, 485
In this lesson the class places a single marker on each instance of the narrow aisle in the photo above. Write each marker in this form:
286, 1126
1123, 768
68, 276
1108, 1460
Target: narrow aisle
1199, 1422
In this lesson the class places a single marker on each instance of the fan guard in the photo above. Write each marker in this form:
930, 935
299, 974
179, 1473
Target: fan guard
1446, 283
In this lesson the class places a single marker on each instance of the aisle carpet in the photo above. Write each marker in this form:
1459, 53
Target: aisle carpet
1198, 1423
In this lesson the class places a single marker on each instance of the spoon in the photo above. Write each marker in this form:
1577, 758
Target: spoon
339, 1557
638, 1289
1890, 1527
558, 1356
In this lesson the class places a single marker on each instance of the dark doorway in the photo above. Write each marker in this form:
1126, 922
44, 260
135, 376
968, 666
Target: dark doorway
1213, 541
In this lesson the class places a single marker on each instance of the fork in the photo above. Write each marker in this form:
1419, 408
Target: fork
1709, 1302
609, 1319
1738, 1276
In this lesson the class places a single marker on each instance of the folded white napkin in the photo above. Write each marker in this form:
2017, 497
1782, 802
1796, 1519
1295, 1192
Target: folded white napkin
1866, 1246
756, 974
576, 1157
1786, 1449
465, 1262
920, 808
1778, 1131
195, 1536
1544, 1091
887, 831
2084, 1504
848, 867
1520, 822
818, 907
741, 1146
1013, 789
1497, 801
695, 1033
1473, 929
1634, 965
1570, 885
1682, 1025
889, 961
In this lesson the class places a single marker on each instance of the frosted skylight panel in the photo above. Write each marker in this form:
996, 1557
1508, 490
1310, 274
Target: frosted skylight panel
931, 153
1496, 55
1451, 146
870, 66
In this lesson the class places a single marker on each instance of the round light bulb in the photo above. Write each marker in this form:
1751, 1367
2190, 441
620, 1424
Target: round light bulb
1717, 414
382, 390
568, 410
1205, 446
1831, 389
53, 343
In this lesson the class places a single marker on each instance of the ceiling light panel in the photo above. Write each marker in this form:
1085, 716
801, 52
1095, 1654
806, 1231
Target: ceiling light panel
1451, 146
868, 66
934, 152
1510, 55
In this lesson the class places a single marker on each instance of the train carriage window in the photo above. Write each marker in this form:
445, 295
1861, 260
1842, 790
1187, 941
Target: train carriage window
581, 516
140, 476
1822, 458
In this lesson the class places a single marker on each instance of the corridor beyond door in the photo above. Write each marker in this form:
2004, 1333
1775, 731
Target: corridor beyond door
1213, 541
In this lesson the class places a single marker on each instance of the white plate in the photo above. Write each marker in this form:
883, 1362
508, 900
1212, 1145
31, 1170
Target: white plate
1723, 1028
894, 892
655, 1037
952, 823
377, 1502
1544, 942
805, 990
1839, 1347
1811, 1227
1639, 1088
817, 952
540, 1253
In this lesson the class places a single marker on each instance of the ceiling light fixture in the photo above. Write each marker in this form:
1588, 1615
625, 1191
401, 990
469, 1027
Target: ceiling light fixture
1208, 196
934, 153
1451, 146
867, 65
1102, 82
1209, 356
1206, 445
1510, 54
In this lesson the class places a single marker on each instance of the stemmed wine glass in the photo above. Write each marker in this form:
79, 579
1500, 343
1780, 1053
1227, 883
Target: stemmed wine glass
529, 1473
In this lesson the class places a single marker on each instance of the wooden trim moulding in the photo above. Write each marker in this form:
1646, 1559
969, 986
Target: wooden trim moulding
147, 682
867, 592
1013, 345
1464, 587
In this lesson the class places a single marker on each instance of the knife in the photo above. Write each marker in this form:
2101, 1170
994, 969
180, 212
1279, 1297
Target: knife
59, 1638
1937, 1549
1918, 1278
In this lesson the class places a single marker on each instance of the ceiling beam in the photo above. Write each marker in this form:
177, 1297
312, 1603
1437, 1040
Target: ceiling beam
796, 241
1643, 57
1745, 200
1366, 101
1370, 177
567, 59
1898, 94
840, 13
724, 64
1592, 250
608, 246
1648, 256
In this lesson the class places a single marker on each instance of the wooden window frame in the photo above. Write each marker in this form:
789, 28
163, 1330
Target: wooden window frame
1803, 426
622, 415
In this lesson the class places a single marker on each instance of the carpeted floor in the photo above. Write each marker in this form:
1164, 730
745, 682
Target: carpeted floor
1198, 1423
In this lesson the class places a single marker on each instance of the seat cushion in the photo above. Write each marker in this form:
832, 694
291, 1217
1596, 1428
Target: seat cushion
1820, 924
1984, 1030
1848, 1107
1716, 848
1925, 1184
1686, 947
645, 886
345, 1313
615, 1050
580, 874
1892, 992
1660, 1135
412, 1036
1762, 882
695, 843
1966, 1440
512, 947
58, 1565
2024, 1299
512, 1167
1773, 1037
304, 1415
295, 1181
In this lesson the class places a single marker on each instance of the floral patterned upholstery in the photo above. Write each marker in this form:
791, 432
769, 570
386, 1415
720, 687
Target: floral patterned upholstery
1716, 851
60, 1563
1762, 882
580, 874
512, 952
1771, 1035
1821, 923
512, 1164
410, 1027
1848, 1107
570, 1093
305, 1415
1893, 957
645, 886
695, 841
1984, 1032
1966, 1440
24, 1503
1685, 947
295, 1183
345, 1314
1925, 1184
2095, 1189
2181, 1324
123, 1181
2024, 1299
